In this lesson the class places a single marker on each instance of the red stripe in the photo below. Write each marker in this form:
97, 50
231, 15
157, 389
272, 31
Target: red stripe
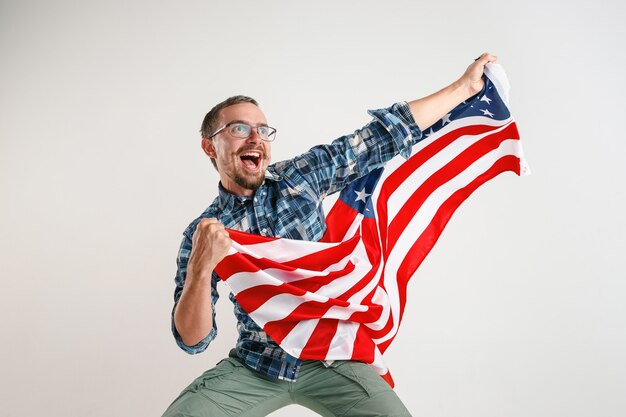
247, 238
370, 241
423, 245
338, 220
311, 309
318, 344
446, 173
363, 346
429, 237
316, 261
387, 377
397, 177
254, 297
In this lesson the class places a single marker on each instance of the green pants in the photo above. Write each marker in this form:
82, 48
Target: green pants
232, 389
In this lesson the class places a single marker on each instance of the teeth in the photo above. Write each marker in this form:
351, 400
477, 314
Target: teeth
255, 154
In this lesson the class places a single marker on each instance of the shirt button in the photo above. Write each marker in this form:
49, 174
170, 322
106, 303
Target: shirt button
256, 199
264, 231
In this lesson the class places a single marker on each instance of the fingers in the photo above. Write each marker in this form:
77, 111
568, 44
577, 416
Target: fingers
474, 72
210, 244
211, 228
209, 224
208, 220
486, 58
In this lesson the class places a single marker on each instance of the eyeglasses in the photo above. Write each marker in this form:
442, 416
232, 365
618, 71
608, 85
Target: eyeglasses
242, 130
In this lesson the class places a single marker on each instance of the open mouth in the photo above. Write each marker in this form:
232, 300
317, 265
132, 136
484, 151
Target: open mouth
251, 160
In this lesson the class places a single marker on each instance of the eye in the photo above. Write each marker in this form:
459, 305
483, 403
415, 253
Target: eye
263, 130
240, 129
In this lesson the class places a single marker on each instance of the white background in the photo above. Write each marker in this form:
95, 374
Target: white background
518, 311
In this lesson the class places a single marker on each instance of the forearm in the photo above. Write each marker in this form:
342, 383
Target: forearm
426, 111
193, 316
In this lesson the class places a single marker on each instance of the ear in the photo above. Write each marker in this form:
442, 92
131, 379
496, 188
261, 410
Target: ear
207, 147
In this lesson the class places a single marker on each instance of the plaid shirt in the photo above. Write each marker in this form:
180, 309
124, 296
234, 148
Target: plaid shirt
289, 204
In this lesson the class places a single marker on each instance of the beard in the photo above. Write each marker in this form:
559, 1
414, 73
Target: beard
249, 183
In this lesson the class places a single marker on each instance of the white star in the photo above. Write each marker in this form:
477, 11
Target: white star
485, 98
445, 119
429, 133
487, 112
361, 195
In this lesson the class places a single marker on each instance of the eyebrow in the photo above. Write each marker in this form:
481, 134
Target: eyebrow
245, 122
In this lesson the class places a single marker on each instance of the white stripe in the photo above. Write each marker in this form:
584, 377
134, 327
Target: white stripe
282, 305
241, 281
282, 250
406, 189
424, 217
362, 267
430, 167
398, 160
342, 284
354, 227
379, 363
297, 338
342, 345
498, 77
381, 298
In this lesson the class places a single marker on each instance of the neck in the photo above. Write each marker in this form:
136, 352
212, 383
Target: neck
236, 189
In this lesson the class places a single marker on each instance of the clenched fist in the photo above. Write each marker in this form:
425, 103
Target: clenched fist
474, 73
211, 243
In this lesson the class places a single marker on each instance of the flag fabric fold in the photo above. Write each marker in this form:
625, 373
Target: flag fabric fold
344, 297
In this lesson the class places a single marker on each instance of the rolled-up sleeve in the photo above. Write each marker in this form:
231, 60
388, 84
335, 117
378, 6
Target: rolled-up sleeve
399, 123
181, 273
329, 168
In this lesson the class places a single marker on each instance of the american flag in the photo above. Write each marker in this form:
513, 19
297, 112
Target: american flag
344, 297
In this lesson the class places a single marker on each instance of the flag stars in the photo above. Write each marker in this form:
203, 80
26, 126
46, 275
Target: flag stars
361, 196
430, 132
485, 98
445, 119
487, 113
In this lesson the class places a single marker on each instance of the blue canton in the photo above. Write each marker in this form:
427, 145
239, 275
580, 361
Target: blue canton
289, 204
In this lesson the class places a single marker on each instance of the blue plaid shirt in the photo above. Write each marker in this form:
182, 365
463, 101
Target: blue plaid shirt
289, 204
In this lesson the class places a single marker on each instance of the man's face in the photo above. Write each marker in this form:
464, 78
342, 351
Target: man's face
241, 162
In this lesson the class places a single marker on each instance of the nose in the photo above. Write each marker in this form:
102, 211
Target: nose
254, 136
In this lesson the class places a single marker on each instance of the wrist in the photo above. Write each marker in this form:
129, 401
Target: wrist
465, 87
200, 275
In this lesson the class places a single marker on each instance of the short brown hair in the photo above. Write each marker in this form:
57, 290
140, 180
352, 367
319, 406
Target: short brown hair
210, 120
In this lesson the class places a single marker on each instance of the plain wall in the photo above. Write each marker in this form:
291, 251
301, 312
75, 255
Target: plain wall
520, 310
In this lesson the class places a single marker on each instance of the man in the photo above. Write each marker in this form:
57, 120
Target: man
284, 200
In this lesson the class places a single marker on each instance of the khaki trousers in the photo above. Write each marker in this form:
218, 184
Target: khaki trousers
232, 389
